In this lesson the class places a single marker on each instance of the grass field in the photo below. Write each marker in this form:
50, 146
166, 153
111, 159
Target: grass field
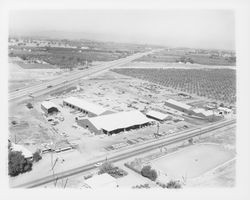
192, 161
177, 56
218, 84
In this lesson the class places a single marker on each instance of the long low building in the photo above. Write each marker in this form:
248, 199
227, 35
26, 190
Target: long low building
178, 106
202, 113
116, 122
159, 116
90, 109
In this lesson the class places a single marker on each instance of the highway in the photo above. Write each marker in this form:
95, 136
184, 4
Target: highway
74, 76
132, 151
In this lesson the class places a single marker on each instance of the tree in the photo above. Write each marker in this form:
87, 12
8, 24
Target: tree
37, 156
105, 168
17, 163
24, 57
173, 184
146, 171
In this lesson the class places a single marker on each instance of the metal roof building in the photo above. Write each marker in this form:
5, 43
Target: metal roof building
116, 122
49, 107
178, 106
157, 115
202, 112
86, 107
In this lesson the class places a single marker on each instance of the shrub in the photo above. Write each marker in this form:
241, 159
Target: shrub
18, 164
146, 185
108, 168
173, 184
29, 105
37, 156
149, 173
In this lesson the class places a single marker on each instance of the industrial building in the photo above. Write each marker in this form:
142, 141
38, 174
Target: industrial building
116, 122
224, 110
90, 109
159, 116
49, 107
178, 106
202, 113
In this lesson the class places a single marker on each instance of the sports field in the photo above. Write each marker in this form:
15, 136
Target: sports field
192, 161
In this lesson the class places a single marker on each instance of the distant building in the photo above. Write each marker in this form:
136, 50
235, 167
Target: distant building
90, 109
116, 122
178, 106
224, 110
25, 152
101, 181
202, 113
49, 107
159, 116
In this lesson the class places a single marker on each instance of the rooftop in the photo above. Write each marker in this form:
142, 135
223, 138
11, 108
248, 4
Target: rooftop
119, 120
16, 147
203, 111
179, 104
80, 103
157, 115
48, 104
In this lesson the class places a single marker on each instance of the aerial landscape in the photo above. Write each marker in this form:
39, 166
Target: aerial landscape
100, 113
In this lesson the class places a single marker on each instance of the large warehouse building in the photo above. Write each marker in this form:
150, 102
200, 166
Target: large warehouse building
116, 122
178, 106
90, 109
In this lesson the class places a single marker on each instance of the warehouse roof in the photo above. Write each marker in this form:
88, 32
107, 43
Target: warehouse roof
80, 103
224, 109
48, 104
179, 104
203, 111
119, 120
25, 152
157, 115
101, 181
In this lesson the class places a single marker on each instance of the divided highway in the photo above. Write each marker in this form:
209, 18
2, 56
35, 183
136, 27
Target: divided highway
133, 151
69, 79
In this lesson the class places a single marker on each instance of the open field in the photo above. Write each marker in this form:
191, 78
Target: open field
69, 54
21, 75
218, 84
192, 161
175, 56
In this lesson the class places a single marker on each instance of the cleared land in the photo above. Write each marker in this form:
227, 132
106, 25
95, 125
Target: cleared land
218, 84
192, 161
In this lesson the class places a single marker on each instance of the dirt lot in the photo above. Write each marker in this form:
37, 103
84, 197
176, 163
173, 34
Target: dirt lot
192, 161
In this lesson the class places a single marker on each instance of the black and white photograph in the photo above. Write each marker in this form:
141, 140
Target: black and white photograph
123, 98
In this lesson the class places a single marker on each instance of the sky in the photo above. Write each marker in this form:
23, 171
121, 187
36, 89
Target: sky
175, 28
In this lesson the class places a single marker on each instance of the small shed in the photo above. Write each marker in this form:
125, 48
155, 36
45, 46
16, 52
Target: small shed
49, 107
